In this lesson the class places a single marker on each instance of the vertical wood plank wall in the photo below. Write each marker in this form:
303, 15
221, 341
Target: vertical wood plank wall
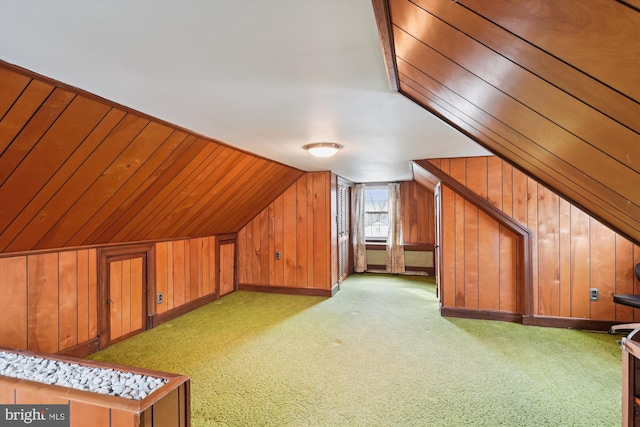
417, 213
298, 226
185, 271
572, 251
49, 300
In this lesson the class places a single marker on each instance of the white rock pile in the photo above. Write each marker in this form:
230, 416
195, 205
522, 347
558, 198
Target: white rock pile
73, 375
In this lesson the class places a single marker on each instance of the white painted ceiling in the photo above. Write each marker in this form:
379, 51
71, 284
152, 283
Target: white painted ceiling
267, 76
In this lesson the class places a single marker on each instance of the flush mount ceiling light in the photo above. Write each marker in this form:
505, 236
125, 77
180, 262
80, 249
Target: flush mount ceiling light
322, 149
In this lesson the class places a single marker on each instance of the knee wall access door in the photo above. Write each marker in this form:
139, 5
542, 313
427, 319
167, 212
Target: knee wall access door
227, 257
127, 280
122, 291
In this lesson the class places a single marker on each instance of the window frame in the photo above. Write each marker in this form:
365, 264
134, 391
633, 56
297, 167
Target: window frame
375, 239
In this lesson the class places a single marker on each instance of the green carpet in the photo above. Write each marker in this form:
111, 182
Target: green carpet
377, 354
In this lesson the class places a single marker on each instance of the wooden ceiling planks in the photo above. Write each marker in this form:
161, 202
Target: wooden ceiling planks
205, 179
224, 178
147, 198
58, 189
171, 184
492, 69
13, 86
119, 201
24, 107
30, 134
519, 51
632, 3
226, 213
127, 157
551, 140
239, 176
78, 170
506, 81
33, 161
599, 37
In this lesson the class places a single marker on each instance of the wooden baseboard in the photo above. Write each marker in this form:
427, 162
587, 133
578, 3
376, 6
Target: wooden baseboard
569, 323
545, 321
285, 290
431, 271
160, 318
81, 350
468, 313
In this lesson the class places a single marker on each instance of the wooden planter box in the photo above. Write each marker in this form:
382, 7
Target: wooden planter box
168, 406
631, 379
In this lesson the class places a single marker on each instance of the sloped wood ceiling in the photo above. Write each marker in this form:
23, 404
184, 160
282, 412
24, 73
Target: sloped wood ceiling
78, 170
551, 86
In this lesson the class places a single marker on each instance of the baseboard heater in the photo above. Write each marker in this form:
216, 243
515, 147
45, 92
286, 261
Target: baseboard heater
416, 258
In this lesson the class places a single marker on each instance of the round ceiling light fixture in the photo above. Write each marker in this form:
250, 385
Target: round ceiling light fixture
323, 149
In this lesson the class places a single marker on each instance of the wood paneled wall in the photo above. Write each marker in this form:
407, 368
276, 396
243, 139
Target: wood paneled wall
572, 251
49, 301
77, 170
185, 271
418, 213
551, 86
478, 258
298, 225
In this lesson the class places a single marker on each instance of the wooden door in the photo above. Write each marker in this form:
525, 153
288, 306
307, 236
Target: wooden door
438, 234
127, 297
227, 251
344, 231
124, 280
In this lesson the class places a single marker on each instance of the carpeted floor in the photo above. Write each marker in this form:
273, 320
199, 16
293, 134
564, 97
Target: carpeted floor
377, 354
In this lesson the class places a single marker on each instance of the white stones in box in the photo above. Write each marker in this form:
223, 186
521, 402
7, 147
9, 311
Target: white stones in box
64, 374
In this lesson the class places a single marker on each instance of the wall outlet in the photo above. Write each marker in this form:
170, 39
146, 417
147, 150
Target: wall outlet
277, 256
594, 294
160, 298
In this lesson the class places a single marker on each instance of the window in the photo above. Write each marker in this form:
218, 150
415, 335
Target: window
376, 214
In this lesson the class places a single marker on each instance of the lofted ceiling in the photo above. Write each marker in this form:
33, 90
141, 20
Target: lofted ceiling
552, 86
77, 170
182, 113
266, 76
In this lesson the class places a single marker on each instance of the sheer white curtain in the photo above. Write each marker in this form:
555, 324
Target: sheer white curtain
359, 247
395, 250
